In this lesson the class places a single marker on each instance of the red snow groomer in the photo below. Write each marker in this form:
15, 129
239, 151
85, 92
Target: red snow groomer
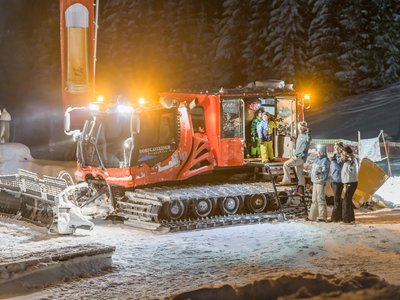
186, 157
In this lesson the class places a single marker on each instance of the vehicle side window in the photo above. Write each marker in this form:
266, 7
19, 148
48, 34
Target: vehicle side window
158, 135
199, 124
232, 118
166, 129
286, 108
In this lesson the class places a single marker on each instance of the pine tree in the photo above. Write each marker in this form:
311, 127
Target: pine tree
357, 70
254, 45
202, 37
386, 44
228, 60
322, 48
286, 40
117, 38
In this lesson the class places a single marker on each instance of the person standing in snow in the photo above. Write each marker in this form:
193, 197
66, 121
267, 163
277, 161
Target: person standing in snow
350, 181
319, 177
5, 120
335, 177
299, 158
255, 141
263, 135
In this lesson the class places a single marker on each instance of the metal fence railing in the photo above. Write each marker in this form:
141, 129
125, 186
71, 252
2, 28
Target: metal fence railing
393, 149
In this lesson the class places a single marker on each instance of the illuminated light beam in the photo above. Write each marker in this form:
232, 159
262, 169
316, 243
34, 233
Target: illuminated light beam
121, 108
94, 107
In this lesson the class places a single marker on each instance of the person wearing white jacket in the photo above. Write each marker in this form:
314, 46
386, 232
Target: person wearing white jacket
5, 120
350, 181
319, 176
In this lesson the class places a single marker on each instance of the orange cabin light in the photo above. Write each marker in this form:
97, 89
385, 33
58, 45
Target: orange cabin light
307, 100
100, 99
141, 101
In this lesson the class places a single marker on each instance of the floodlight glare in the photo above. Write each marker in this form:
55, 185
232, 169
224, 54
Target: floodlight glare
93, 106
121, 108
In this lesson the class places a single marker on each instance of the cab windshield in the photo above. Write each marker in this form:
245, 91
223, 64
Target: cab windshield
107, 140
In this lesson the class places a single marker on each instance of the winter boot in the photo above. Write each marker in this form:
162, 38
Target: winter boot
300, 191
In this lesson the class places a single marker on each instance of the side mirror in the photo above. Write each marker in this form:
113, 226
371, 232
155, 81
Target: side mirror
74, 119
168, 102
193, 103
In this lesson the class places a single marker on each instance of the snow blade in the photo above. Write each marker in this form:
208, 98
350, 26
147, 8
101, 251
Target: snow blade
370, 179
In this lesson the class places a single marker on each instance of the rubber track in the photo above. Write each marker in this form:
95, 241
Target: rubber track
141, 208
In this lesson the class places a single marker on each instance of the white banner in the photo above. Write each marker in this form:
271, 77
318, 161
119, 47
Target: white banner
370, 148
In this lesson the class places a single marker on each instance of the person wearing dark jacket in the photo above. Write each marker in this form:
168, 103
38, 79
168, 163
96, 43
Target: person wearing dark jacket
350, 180
255, 141
319, 177
299, 158
335, 177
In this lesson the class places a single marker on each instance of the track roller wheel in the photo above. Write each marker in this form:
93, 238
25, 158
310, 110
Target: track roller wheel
202, 208
256, 203
230, 205
174, 210
283, 196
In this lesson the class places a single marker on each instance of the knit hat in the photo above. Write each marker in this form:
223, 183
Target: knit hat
321, 148
340, 145
303, 124
348, 149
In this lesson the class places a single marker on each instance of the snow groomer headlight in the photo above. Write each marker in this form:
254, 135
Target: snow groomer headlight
124, 109
94, 107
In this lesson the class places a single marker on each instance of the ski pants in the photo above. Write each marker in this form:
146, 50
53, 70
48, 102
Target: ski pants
337, 188
255, 151
298, 164
318, 209
267, 153
347, 204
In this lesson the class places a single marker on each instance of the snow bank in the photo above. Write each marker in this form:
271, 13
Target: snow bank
389, 192
14, 152
300, 286
39, 269
14, 156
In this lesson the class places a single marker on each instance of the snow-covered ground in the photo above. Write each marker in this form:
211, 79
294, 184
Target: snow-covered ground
152, 266
147, 265
389, 192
